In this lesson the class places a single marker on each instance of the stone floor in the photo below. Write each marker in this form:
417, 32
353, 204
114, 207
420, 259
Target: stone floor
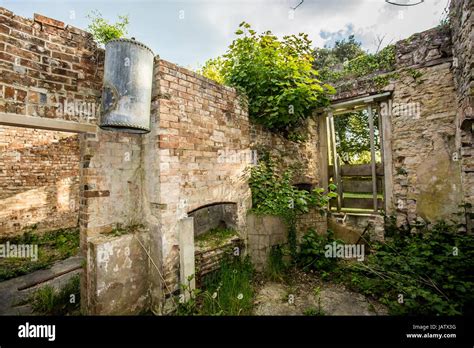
12, 299
311, 296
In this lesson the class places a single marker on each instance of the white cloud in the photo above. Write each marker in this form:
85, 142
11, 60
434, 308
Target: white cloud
367, 19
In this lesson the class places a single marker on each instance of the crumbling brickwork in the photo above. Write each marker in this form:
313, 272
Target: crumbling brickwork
39, 180
48, 69
300, 156
198, 149
426, 177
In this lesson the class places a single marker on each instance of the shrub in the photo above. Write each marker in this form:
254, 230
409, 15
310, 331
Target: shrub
428, 272
276, 75
103, 31
312, 252
274, 194
359, 65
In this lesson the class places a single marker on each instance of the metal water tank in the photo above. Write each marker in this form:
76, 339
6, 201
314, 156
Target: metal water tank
126, 94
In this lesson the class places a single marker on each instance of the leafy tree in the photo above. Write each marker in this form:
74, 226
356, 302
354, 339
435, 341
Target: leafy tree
103, 31
343, 51
276, 75
348, 60
212, 69
353, 137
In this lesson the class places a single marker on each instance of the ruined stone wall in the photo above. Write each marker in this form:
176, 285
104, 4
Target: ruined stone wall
462, 24
300, 156
265, 232
303, 157
426, 176
426, 179
39, 180
313, 220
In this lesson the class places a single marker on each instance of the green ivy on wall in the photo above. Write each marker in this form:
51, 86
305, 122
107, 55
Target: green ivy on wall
274, 194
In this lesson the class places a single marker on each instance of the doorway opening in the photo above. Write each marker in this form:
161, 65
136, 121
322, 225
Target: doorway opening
356, 157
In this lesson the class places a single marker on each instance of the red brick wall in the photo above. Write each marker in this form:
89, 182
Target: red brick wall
201, 136
44, 64
39, 182
48, 70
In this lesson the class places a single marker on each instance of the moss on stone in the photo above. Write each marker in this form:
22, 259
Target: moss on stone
215, 237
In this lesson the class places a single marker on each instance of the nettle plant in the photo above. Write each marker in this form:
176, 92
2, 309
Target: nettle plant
420, 270
277, 76
274, 194
103, 31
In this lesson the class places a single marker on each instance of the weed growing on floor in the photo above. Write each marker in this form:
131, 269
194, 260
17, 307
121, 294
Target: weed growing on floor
419, 270
312, 253
278, 264
66, 301
428, 272
52, 246
227, 291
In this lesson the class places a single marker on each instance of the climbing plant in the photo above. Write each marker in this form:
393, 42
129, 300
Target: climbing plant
274, 194
276, 75
103, 31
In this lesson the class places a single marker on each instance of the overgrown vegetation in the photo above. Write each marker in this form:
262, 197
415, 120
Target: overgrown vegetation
65, 301
215, 237
312, 253
277, 263
428, 271
103, 31
419, 270
348, 60
227, 291
274, 194
276, 75
52, 246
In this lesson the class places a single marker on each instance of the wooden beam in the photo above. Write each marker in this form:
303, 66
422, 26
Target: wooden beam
332, 139
355, 185
15, 120
386, 132
372, 156
362, 101
358, 170
323, 151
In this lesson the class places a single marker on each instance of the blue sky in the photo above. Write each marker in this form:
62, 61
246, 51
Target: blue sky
191, 31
